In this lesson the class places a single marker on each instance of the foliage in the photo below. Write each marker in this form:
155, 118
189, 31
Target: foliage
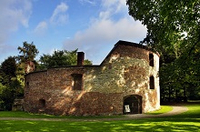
12, 72
59, 59
173, 30
168, 21
12, 75
8, 69
10, 87
28, 51
2, 88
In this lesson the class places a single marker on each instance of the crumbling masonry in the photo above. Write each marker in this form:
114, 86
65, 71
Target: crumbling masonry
126, 82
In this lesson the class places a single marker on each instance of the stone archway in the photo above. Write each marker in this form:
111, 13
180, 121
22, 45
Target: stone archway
132, 104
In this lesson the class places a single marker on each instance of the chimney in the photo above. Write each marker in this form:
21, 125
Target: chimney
80, 59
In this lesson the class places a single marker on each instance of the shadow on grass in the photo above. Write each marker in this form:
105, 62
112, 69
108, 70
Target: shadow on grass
160, 124
188, 121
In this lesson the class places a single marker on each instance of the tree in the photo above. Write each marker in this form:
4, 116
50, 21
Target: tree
168, 21
8, 69
173, 30
29, 52
10, 86
60, 59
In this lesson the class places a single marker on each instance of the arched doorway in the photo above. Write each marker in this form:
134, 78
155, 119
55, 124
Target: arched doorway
132, 104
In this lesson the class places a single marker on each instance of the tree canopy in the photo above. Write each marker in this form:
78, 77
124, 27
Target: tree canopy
10, 86
60, 58
28, 51
173, 30
12, 70
168, 21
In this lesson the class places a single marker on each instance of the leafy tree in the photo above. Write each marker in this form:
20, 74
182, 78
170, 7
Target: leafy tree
28, 51
168, 21
2, 87
59, 59
8, 69
12, 75
173, 30
10, 86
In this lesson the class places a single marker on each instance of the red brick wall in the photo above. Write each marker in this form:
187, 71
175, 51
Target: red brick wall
124, 72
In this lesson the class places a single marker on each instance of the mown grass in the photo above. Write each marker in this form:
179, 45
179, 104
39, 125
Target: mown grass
21, 114
188, 121
163, 109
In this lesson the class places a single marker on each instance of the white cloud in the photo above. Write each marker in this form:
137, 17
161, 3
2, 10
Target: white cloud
92, 2
114, 6
13, 13
104, 31
59, 15
116, 3
41, 28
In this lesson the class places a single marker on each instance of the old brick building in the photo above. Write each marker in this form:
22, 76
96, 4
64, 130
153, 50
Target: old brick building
126, 81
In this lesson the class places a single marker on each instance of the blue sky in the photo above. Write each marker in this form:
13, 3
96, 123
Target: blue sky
92, 26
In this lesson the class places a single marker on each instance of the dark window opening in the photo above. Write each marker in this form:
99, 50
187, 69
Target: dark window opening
152, 83
151, 60
42, 103
77, 81
27, 84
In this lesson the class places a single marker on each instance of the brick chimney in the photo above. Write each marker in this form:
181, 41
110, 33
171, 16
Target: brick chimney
80, 58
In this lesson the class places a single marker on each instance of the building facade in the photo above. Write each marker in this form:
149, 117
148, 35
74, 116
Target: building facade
126, 82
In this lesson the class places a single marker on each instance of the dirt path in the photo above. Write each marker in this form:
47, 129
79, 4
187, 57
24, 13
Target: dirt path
176, 110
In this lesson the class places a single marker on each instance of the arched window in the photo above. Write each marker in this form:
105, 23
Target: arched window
151, 59
151, 82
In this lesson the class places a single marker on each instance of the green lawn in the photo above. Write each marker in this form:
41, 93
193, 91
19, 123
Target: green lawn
163, 109
188, 121
20, 114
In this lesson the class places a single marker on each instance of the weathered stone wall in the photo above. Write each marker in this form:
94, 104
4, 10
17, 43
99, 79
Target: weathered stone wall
124, 72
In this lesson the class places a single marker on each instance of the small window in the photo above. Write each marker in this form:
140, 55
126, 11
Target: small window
42, 103
152, 83
77, 81
27, 84
151, 59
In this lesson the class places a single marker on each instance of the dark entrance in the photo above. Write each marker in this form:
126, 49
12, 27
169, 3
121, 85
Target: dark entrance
132, 104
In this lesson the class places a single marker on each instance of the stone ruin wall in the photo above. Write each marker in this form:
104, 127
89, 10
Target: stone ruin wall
127, 73
122, 73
